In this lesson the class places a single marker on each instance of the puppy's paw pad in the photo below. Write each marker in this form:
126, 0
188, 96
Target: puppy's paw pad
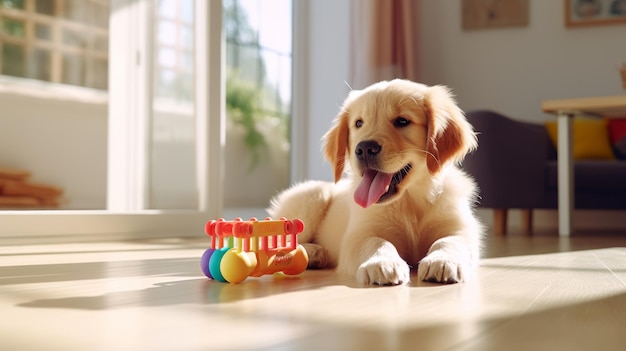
383, 272
318, 256
440, 267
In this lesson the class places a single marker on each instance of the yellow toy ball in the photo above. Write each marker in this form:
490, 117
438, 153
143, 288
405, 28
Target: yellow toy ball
236, 266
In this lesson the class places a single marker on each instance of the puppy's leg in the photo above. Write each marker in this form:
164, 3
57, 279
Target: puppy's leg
451, 259
308, 201
375, 261
318, 256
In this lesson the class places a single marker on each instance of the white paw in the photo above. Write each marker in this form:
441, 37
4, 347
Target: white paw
383, 271
442, 267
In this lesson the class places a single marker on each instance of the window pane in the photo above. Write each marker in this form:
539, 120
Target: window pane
167, 33
45, 7
101, 15
165, 83
101, 43
74, 34
186, 37
187, 59
14, 59
172, 169
43, 32
167, 8
76, 10
73, 70
167, 58
12, 27
39, 65
258, 100
185, 87
100, 74
73, 38
12, 4
187, 11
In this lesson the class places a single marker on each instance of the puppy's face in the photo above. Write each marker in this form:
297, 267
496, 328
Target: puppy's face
393, 133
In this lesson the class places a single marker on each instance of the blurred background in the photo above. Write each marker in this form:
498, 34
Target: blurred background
288, 67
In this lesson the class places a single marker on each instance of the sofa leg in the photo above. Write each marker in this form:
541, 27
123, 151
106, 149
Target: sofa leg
527, 221
500, 221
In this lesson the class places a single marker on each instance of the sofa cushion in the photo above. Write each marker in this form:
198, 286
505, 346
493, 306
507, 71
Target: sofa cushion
590, 138
617, 133
592, 175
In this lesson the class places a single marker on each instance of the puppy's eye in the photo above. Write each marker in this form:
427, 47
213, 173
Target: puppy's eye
358, 123
401, 122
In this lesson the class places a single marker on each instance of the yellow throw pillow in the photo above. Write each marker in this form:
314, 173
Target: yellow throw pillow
590, 138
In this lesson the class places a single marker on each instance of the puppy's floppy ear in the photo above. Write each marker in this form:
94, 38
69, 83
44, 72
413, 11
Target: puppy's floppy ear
450, 136
336, 143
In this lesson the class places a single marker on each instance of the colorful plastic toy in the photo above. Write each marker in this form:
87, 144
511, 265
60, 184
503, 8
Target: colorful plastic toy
241, 249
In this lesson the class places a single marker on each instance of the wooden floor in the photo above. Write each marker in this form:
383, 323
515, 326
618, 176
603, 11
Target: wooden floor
538, 293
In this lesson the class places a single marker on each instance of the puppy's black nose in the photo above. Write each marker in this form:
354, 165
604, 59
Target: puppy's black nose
367, 149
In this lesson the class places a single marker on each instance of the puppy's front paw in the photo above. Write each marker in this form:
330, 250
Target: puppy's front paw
383, 271
442, 267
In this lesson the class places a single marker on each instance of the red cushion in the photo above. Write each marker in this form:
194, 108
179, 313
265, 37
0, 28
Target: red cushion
617, 134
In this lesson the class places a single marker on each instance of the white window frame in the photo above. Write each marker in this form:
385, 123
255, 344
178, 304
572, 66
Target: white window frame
55, 45
299, 92
128, 147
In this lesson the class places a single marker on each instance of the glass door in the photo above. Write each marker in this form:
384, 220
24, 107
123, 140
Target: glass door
258, 37
138, 154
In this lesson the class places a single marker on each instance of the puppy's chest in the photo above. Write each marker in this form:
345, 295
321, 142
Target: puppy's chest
408, 229
400, 223
408, 238
408, 216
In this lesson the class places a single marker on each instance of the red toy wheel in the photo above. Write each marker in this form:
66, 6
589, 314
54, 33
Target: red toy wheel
241, 229
209, 227
218, 228
298, 226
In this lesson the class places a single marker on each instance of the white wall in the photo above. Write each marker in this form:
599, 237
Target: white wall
328, 60
511, 70
61, 141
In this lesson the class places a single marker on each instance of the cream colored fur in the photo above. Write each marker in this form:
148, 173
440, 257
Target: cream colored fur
428, 223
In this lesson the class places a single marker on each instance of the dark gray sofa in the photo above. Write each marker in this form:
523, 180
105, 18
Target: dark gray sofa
515, 168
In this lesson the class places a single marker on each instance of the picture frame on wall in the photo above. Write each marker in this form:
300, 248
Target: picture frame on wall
580, 13
488, 14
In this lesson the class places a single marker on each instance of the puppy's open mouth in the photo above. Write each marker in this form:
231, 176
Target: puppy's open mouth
377, 186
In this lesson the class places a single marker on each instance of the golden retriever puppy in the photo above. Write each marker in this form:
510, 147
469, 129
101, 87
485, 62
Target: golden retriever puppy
403, 201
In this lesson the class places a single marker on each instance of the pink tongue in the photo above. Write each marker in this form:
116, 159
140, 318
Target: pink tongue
373, 185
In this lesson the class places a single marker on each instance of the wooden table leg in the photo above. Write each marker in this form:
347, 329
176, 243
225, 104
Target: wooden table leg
500, 221
527, 220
